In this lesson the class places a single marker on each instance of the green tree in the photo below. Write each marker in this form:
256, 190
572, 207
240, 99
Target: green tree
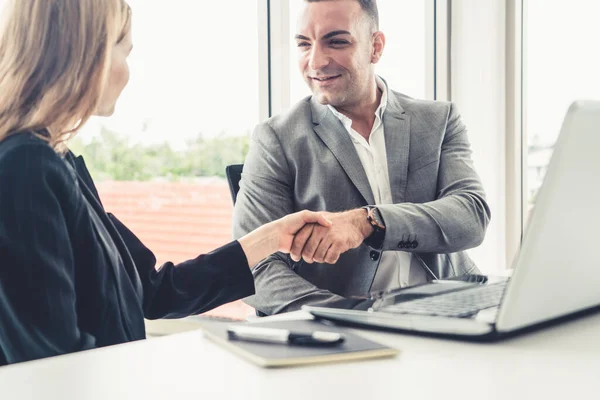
113, 157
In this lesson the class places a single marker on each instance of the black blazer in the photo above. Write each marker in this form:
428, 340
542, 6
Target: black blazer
73, 277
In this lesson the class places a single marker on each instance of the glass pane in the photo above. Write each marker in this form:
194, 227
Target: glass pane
562, 65
403, 63
187, 112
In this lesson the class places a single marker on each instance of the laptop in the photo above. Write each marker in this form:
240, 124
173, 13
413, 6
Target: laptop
556, 273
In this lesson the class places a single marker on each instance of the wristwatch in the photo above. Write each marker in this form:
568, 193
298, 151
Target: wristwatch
375, 240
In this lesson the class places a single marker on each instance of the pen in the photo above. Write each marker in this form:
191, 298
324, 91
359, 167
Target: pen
283, 336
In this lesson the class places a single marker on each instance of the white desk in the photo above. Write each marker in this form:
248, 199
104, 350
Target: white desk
562, 362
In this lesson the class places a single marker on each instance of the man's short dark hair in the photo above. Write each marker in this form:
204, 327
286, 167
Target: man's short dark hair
368, 6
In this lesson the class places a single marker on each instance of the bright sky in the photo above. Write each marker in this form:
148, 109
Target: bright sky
195, 71
195, 65
563, 61
192, 71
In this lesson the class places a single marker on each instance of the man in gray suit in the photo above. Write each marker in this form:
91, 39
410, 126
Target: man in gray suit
394, 173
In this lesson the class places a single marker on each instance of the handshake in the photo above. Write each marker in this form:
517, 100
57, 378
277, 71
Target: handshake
322, 236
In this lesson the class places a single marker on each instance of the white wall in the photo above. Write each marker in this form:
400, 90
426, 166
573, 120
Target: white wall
478, 89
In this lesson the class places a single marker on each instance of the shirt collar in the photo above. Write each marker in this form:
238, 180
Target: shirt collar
381, 85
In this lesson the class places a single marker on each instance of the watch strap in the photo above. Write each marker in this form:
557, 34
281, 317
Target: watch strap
375, 240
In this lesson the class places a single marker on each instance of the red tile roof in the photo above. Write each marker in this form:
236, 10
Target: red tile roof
177, 221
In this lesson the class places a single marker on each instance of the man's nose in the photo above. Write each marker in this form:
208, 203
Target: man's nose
318, 58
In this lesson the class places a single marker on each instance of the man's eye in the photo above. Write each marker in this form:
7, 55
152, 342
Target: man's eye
303, 44
338, 42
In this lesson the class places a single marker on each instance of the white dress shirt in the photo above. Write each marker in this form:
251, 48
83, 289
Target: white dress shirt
396, 268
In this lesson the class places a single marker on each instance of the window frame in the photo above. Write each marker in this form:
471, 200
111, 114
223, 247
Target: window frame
516, 139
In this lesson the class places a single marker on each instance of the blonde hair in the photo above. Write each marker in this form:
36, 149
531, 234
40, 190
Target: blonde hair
55, 57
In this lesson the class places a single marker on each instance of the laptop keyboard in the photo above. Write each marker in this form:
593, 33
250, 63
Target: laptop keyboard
463, 303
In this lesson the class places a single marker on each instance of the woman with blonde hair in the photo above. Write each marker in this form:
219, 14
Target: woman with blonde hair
73, 277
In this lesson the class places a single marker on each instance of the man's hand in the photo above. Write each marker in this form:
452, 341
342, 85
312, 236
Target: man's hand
290, 225
315, 243
278, 235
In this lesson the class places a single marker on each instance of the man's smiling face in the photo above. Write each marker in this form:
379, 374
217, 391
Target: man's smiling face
335, 46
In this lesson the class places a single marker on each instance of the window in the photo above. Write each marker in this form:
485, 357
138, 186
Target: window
187, 112
403, 64
561, 66
197, 90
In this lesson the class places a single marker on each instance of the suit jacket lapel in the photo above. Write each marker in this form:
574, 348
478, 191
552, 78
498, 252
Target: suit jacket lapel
337, 139
396, 125
84, 175
89, 191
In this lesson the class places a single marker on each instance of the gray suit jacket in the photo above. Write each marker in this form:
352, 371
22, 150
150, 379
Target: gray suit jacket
305, 159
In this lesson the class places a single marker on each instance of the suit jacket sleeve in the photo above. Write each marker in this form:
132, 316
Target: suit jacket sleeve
38, 202
458, 218
193, 286
266, 194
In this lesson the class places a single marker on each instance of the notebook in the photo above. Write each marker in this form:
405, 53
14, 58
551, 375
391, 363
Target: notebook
270, 355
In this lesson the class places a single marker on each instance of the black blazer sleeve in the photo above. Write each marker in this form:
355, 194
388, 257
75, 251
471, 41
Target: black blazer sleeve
37, 292
193, 286
175, 291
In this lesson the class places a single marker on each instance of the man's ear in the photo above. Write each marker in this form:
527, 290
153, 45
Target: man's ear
378, 46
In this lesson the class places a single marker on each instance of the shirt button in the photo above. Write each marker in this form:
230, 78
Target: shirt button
374, 255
